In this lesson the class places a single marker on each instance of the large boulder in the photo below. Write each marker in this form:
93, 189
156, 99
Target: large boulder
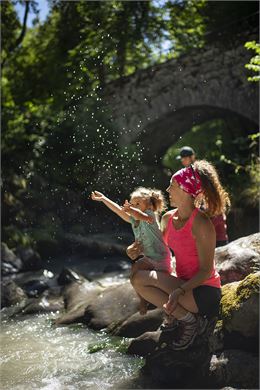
10, 263
240, 309
234, 368
175, 369
77, 296
233, 340
11, 293
112, 306
30, 258
238, 259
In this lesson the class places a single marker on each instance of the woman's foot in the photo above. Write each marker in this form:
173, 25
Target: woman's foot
169, 323
192, 327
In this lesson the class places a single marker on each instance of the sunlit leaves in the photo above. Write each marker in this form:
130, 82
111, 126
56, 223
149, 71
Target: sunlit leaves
254, 63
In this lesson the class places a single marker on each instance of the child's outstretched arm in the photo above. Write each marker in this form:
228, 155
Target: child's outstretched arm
98, 196
136, 213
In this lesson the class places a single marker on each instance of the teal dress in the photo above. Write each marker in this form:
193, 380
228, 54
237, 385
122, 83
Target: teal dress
151, 238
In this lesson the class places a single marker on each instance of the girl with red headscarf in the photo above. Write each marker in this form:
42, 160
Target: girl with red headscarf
192, 296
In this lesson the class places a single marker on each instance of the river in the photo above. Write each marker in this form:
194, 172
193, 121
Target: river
36, 354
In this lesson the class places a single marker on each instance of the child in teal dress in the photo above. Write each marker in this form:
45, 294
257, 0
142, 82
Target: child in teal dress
142, 212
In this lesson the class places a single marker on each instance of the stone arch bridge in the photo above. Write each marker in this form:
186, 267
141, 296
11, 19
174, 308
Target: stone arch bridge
157, 105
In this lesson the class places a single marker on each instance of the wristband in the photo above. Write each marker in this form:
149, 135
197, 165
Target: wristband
182, 289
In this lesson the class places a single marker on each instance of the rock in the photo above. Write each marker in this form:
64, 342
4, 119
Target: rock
34, 288
11, 294
240, 306
77, 296
175, 369
137, 324
113, 306
234, 368
113, 268
43, 304
68, 276
252, 242
30, 258
94, 245
144, 344
10, 263
238, 259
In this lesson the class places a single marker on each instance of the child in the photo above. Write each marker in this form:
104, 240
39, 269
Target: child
141, 212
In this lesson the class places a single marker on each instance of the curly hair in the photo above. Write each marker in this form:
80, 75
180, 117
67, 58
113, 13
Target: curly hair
215, 199
154, 197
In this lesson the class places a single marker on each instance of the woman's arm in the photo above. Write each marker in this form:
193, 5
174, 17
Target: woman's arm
98, 196
205, 236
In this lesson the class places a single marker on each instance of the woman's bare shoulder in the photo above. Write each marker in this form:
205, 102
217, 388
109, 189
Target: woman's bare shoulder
202, 222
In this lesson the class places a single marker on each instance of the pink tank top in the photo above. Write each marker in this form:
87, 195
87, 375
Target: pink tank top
183, 244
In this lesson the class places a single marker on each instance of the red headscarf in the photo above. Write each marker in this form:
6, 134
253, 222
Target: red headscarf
188, 180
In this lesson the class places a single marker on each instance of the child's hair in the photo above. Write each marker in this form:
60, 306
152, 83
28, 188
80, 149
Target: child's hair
216, 199
153, 196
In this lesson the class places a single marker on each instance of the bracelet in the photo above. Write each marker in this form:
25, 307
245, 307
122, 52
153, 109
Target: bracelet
182, 289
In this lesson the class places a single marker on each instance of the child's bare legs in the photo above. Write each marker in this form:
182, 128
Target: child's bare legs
142, 265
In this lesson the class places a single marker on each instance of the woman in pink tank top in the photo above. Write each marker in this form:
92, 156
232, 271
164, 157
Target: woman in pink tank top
192, 295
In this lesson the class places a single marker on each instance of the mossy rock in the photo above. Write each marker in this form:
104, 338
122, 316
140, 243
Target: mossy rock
240, 306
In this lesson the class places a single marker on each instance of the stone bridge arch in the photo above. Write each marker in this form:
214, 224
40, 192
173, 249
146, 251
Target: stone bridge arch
157, 105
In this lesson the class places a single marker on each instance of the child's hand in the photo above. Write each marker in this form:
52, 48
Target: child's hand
126, 206
95, 195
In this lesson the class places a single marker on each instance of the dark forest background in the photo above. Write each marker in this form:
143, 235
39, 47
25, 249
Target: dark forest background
59, 140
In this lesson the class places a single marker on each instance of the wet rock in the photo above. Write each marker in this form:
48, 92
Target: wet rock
30, 258
144, 344
68, 276
235, 369
77, 296
34, 288
10, 263
137, 324
11, 294
238, 259
43, 304
113, 306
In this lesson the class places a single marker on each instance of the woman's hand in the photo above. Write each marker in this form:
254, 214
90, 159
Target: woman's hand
173, 300
95, 195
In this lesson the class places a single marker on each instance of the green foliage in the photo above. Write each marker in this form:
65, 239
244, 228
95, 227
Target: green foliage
58, 138
186, 24
254, 64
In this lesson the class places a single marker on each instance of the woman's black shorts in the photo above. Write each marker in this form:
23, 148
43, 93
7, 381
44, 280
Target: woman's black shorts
207, 299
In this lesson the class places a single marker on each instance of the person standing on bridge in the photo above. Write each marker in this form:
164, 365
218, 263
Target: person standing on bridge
192, 296
188, 156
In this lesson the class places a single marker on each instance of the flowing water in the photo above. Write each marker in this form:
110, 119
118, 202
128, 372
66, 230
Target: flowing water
35, 354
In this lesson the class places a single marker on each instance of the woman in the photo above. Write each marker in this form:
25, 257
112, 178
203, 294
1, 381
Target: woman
193, 295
